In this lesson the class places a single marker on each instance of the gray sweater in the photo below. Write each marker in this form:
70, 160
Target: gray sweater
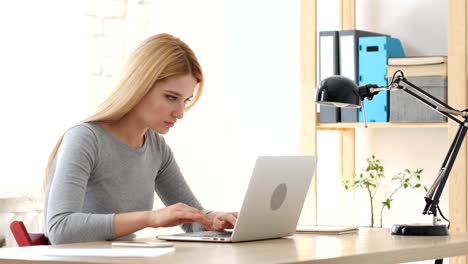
95, 176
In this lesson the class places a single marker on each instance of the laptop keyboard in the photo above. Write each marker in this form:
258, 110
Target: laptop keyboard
209, 234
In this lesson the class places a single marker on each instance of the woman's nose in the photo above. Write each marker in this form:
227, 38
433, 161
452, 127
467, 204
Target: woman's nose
179, 112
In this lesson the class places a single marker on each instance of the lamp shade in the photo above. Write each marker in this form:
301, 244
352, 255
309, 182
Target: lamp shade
338, 91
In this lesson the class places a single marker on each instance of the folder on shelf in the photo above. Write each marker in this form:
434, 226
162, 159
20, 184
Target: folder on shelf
328, 66
374, 53
348, 41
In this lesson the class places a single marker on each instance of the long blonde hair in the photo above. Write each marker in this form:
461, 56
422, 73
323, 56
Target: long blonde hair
158, 57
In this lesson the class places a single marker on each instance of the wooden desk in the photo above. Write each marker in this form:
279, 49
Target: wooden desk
368, 246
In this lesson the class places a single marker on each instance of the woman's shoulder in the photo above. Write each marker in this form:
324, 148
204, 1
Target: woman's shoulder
83, 130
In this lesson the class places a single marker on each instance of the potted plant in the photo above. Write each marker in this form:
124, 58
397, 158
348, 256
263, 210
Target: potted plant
371, 178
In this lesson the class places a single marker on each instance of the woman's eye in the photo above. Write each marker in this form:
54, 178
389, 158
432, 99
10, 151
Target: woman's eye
171, 98
188, 100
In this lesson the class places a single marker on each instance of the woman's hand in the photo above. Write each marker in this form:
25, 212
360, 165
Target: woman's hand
177, 214
223, 220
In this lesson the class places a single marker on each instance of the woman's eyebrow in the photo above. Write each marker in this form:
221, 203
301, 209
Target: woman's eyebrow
177, 94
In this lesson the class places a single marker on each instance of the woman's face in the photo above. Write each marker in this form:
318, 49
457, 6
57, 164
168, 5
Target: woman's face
165, 103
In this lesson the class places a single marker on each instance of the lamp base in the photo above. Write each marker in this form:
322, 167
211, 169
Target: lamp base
420, 230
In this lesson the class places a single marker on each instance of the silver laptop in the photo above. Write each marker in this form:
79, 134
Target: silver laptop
272, 204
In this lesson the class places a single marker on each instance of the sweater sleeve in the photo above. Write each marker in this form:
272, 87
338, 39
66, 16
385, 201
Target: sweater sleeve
171, 187
65, 221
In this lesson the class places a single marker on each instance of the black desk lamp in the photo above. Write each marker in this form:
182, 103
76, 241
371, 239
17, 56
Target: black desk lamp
340, 91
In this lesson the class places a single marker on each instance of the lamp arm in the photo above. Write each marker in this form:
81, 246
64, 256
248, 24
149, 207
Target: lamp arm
433, 195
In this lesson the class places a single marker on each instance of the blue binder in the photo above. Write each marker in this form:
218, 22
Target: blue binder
373, 58
348, 41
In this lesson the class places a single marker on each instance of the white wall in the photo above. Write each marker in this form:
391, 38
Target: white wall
41, 87
56, 60
419, 24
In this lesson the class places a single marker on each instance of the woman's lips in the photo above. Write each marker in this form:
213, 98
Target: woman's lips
169, 124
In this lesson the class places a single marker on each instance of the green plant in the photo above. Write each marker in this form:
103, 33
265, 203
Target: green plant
371, 179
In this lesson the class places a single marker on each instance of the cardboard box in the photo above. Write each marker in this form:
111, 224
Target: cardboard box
404, 108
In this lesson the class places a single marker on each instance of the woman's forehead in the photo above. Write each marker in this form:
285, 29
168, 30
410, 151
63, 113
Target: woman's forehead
180, 84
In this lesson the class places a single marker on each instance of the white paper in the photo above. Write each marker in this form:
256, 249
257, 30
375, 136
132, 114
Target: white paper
38, 252
108, 252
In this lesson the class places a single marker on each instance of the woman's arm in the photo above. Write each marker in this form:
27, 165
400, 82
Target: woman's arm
65, 222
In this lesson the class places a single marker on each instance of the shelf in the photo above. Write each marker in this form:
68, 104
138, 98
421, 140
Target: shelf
338, 126
457, 95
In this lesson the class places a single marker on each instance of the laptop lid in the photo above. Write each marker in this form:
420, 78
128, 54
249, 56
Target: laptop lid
275, 197
273, 202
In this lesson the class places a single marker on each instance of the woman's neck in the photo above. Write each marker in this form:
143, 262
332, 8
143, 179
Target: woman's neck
126, 130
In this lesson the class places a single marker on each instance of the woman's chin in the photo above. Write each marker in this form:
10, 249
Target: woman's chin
161, 130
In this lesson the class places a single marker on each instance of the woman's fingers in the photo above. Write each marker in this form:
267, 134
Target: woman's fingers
225, 225
223, 220
204, 221
194, 215
230, 218
180, 214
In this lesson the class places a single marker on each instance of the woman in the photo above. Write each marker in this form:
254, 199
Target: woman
102, 174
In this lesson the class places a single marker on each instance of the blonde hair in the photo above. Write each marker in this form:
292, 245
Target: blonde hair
158, 57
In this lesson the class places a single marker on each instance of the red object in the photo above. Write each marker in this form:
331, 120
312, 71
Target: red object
25, 239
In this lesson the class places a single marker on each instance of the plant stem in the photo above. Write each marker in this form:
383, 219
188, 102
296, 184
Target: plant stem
383, 206
371, 207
